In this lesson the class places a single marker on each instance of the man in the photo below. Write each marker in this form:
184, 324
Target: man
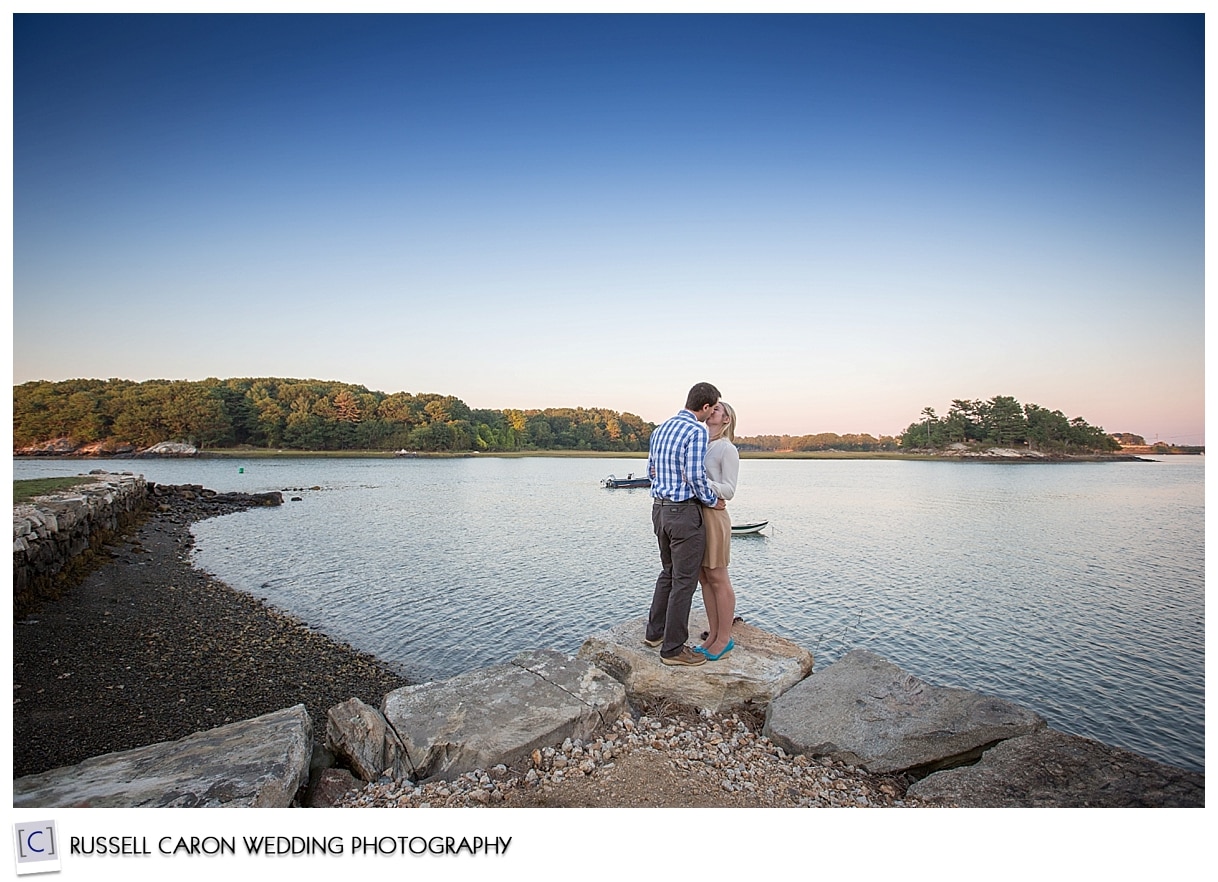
676, 462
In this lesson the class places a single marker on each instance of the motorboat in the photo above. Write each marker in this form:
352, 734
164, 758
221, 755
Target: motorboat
614, 483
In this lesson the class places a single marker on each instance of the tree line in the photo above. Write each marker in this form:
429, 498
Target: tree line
822, 441
1004, 422
302, 415
316, 415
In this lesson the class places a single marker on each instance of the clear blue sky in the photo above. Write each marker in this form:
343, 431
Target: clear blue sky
838, 220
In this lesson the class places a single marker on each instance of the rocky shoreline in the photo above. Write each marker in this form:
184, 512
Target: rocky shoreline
146, 648
975, 453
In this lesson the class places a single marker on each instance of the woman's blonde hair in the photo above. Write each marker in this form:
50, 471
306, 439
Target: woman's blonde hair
729, 428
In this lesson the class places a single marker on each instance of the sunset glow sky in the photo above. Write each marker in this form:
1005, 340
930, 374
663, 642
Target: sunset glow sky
838, 220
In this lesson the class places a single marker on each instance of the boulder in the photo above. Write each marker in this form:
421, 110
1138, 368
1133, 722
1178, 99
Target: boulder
329, 786
170, 448
866, 711
500, 714
360, 735
761, 667
1051, 768
261, 762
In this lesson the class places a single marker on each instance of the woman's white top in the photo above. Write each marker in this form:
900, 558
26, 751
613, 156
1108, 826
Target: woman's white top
723, 467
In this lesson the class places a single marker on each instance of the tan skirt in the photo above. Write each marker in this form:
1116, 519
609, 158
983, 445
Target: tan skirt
718, 526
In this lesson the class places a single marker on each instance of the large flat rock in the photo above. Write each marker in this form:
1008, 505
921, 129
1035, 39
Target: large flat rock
1051, 768
761, 667
260, 762
500, 714
866, 711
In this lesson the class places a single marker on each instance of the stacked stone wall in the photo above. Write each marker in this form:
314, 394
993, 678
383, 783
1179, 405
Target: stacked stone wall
52, 534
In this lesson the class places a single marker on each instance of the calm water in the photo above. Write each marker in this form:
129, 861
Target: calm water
1076, 590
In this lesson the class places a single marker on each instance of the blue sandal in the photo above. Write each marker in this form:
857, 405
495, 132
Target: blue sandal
731, 644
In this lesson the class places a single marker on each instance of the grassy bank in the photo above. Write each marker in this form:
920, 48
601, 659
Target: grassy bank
831, 454
24, 491
265, 453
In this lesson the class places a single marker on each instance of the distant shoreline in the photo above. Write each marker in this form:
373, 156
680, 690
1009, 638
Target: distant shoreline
919, 456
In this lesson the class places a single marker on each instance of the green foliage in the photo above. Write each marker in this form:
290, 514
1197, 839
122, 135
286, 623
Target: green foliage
311, 415
823, 441
1003, 422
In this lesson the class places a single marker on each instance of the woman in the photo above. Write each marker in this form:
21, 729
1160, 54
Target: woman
722, 470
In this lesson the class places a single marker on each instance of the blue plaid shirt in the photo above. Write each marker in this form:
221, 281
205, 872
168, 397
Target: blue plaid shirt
676, 460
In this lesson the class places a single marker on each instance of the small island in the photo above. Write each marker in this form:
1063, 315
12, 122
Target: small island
1003, 429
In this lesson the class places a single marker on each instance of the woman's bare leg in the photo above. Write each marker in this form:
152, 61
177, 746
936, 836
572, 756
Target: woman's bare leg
710, 601
717, 585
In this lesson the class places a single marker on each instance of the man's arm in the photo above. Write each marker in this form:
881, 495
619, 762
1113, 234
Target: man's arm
695, 468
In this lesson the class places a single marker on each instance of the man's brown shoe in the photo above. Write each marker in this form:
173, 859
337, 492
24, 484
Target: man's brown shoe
653, 643
685, 657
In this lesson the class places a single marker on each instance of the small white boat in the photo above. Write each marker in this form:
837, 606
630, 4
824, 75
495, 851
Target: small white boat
746, 529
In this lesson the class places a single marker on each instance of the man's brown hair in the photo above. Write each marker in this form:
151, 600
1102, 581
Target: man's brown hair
701, 395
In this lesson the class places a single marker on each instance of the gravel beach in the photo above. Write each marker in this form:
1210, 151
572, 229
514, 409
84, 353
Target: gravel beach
668, 757
148, 649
